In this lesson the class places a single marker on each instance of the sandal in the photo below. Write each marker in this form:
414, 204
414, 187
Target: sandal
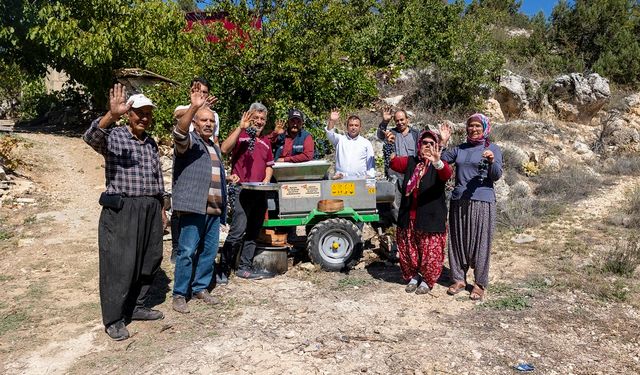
456, 288
477, 293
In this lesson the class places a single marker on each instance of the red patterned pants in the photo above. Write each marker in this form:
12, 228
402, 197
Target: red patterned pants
421, 253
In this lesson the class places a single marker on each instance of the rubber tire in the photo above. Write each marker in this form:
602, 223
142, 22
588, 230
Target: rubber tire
340, 228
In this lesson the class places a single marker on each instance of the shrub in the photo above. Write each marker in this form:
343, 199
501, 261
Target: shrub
517, 214
626, 165
569, 185
633, 207
7, 144
624, 258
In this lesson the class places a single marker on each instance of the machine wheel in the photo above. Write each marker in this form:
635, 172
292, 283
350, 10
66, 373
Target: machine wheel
334, 244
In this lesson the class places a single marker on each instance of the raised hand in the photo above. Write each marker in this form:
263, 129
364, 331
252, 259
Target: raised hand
118, 105
334, 116
211, 100
387, 114
246, 121
198, 98
445, 133
280, 124
433, 153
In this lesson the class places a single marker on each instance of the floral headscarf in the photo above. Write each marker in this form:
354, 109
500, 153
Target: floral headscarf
486, 129
421, 168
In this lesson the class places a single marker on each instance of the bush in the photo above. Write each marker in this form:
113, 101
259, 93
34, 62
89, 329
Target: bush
633, 207
624, 258
625, 165
569, 185
518, 214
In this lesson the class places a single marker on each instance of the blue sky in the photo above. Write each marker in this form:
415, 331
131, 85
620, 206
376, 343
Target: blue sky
531, 7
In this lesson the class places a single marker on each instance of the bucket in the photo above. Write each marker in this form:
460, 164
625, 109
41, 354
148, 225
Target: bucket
271, 258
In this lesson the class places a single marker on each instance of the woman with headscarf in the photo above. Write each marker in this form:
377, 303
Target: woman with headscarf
472, 213
422, 234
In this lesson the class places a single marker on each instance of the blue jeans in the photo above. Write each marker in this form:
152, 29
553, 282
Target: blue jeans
197, 249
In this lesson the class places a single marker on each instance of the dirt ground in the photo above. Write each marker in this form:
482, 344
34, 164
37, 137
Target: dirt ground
541, 307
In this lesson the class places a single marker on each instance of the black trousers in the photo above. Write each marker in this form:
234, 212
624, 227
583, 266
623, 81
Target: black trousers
248, 215
130, 252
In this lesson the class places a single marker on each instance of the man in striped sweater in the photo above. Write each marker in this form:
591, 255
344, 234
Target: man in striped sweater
199, 200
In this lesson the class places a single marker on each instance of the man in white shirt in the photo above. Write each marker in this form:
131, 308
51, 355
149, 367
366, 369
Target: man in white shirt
211, 100
354, 153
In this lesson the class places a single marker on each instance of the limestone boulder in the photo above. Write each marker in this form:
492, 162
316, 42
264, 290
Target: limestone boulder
516, 95
493, 111
578, 98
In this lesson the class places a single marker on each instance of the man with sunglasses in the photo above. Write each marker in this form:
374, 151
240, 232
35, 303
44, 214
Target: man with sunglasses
132, 218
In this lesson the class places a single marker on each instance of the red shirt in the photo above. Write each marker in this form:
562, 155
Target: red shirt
307, 150
251, 166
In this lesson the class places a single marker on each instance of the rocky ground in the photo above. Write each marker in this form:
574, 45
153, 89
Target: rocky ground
545, 306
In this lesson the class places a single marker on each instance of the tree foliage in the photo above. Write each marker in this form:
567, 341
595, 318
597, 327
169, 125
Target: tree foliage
315, 54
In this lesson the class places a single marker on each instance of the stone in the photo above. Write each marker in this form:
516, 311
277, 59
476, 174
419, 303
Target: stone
513, 155
502, 190
3, 174
308, 266
578, 98
516, 95
551, 163
25, 200
493, 111
25, 242
580, 148
394, 100
523, 238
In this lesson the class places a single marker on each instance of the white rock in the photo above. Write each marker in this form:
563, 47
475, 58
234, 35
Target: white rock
394, 100
25, 200
578, 98
523, 238
580, 148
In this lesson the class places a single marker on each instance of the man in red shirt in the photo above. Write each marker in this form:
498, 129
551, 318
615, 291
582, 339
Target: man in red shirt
295, 145
252, 161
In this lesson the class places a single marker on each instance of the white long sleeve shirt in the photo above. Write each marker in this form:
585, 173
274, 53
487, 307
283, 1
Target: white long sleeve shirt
354, 156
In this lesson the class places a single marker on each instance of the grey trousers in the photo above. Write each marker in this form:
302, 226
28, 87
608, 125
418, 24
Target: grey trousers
471, 225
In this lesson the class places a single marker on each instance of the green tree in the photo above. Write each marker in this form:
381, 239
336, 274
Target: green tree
603, 34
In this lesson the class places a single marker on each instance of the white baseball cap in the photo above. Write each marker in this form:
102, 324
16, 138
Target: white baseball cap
139, 100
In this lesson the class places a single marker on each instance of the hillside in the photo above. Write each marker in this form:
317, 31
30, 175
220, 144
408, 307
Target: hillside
550, 301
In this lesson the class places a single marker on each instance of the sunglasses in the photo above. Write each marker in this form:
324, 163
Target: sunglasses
425, 143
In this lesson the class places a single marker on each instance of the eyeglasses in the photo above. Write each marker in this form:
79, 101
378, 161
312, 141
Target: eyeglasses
425, 143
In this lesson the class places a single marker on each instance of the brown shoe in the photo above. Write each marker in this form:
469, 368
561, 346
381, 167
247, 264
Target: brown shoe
180, 304
206, 297
477, 294
456, 288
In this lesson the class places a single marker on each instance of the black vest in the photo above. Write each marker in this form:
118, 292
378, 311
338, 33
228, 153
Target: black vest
431, 212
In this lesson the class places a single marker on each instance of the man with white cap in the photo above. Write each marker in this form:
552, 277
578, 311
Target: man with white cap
132, 218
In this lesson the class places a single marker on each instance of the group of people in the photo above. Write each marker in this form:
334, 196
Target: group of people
133, 205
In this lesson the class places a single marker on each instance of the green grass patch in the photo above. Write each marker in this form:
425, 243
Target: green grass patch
5, 234
617, 291
507, 297
350, 282
12, 321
